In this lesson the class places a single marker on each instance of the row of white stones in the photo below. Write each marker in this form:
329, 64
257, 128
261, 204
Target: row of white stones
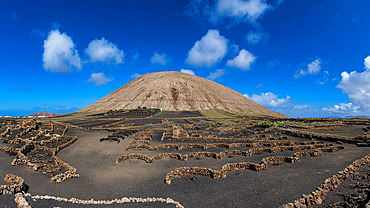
106, 202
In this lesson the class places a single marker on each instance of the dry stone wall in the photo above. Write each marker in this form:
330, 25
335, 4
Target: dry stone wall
248, 153
17, 185
45, 140
316, 197
271, 143
215, 174
325, 137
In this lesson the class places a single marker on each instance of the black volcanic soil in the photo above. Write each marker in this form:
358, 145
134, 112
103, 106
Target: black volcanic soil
178, 114
350, 130
101, 178
353, 192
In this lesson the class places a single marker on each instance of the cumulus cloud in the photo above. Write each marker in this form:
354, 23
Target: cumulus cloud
269, 100
242, 61
208, 51
99, 79
60, 54
343, 108
216, 74
104, 51
161, 59
216, 11
136, 75
284, 105
187, 71
312, 68
253, 38
357, 86
367, 62
239, 10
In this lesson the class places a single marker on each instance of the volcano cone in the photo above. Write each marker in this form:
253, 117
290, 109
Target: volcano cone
178, 91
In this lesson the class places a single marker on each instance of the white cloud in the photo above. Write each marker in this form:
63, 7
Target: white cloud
60, 54
284, 105
253, 38
269, 100
239, 10
217, 74
301, 108
357, 87
312, 68
242, 61
209, 50
187, 71
232, 11
136, 75
233, 49
99, 79
367, 62
161, 59
343, 108
104, 51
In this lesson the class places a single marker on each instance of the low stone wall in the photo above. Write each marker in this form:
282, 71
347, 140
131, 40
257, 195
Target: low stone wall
146, 135
72, 139
10, 151
270, 143
17, 185
134, 142
4, 133
318, 147
316, 197
107, 202
70, 173
324, 137
215, 174
65, 130
38, 135
30, 145
179, 132
21, 201
239, 130
215, 139
32, 126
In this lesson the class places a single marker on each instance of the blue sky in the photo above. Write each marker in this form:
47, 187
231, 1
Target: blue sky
301, 58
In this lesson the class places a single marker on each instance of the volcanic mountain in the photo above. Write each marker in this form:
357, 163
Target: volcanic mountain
178, 91
43, 114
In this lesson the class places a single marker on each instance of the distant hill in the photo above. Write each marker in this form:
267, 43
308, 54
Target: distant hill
43, 114
349, 117
178, 91
360, 117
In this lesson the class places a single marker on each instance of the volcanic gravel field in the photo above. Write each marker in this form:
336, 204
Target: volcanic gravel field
195, 162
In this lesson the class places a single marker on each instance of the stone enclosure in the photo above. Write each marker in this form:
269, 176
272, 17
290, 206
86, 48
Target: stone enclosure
36, 143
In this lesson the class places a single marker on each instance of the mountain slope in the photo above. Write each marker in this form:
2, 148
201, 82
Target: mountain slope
178, 91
